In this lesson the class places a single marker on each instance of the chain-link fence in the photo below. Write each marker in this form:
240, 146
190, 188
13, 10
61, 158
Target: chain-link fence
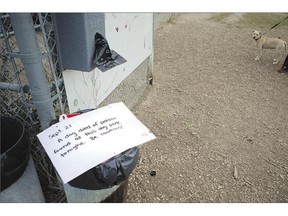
15, 95
18, 81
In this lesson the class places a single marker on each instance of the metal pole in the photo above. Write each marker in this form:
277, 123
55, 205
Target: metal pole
31, 58
52, 66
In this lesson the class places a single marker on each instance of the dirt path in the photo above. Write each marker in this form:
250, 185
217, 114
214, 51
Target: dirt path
221, 118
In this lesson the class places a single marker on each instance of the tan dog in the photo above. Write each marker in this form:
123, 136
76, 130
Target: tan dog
264, 42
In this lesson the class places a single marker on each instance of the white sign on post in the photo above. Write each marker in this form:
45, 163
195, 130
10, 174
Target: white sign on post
77, 144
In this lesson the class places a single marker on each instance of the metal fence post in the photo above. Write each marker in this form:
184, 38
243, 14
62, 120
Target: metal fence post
31, 58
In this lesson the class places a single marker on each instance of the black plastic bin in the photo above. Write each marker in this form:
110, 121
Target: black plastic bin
18, 174
15, 151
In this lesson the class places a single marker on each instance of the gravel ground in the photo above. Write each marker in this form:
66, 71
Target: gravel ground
220, 117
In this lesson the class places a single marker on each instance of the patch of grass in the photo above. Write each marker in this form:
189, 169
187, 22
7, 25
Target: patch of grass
220, 17
266, 20
172, 18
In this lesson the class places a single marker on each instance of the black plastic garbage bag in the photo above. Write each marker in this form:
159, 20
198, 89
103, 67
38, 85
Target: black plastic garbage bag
109, 173
104, 58
15, 150
102, 52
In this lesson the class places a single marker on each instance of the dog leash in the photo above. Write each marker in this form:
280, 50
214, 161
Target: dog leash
278, 23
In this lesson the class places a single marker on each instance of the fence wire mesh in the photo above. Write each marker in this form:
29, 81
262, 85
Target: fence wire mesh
16, 100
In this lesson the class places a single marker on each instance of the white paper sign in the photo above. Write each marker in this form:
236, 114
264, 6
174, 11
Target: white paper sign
77, 144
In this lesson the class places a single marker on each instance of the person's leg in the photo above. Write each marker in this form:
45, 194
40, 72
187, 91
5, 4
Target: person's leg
284, 67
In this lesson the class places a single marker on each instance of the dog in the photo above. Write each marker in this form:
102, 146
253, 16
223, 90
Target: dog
264, 42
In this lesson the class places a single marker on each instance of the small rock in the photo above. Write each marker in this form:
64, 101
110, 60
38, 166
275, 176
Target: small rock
153, 173
250, 140
235, 174
253, 190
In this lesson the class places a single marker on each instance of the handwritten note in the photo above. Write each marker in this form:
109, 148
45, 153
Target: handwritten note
77, 144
